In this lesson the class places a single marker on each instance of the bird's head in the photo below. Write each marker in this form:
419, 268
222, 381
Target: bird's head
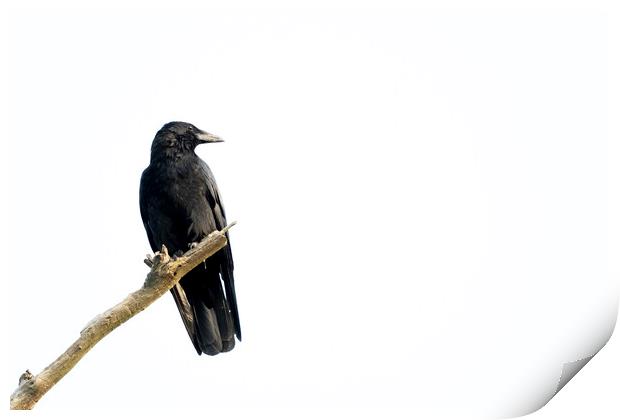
179, 137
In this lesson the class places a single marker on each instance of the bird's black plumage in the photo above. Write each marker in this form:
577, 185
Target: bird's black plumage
180, 204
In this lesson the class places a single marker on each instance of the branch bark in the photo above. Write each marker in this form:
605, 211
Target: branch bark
165, 273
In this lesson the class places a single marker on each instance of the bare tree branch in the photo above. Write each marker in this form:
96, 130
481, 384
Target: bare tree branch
165, 273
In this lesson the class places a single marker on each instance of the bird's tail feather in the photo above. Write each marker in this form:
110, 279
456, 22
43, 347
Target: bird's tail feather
208, 336
213, 325
231, 300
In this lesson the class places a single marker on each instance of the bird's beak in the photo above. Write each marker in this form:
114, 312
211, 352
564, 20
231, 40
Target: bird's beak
204, 137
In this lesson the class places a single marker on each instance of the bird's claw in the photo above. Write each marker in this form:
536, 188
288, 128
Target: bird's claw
177, 255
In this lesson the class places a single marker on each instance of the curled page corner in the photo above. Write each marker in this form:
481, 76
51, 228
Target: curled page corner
597, 339
570, 369
568, 355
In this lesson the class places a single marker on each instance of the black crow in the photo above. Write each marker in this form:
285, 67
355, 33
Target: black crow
180, 205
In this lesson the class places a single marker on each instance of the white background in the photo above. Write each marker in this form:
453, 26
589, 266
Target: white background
428, 216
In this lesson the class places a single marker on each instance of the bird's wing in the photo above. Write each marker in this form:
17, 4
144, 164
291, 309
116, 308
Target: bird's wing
225, 255
187, 313
178, 293
144, 211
